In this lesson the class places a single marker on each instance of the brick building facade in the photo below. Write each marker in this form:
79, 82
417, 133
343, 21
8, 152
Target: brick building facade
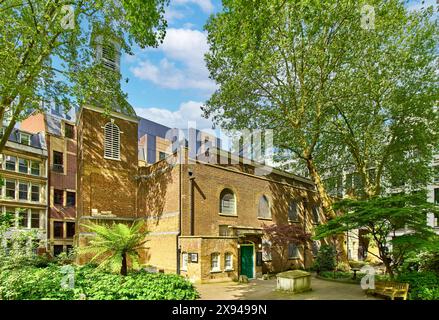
205, 220
60, 136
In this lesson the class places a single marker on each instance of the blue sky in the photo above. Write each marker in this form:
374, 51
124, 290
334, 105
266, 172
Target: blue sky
169, 84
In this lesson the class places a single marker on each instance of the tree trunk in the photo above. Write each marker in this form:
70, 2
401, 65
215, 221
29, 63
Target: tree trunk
124, 268
327, 206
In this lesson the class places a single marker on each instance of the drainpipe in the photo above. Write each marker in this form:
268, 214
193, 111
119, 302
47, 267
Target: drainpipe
180, 214
192, 206
305, 209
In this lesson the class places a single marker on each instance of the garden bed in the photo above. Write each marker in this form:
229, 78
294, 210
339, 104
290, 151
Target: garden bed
53, 283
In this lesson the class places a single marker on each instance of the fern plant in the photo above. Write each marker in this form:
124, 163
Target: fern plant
114, 245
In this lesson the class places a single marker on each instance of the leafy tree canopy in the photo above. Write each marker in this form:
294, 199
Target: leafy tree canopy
397, 225
47, 51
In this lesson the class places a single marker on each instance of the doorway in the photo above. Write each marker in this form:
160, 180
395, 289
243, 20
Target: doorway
247, 260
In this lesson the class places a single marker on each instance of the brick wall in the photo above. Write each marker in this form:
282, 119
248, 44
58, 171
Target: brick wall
104, 184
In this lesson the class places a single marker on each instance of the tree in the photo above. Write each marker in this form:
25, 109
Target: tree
281, 236
396, 224
114, 245
387, 130
47, 50
273, 62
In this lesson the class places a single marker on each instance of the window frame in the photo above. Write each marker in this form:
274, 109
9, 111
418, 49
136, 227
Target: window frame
25, 221
56, 166
22, 134
6, 189
215, 257
225, 192
9, 162
316, 215
32, 213
296, 209
22, 183
296, 251
32, 192
27, 162
184, 261
71, 130
67, 199
269, 207
112, 148
67, 223
58, 191
32, 163
226, 266
54, 229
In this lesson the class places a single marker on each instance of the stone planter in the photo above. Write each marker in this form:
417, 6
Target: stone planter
294, 281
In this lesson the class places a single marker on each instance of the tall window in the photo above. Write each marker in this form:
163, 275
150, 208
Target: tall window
70, 229
58, 229
10, 189
266, 250
228, 261
184, 261
23, 191
292, 211
35, 168
10, 163
227, 202
35, 193
23, 165
71, 199
436, 174
315, 214
35, 219
58, 197
69, 131
436, 195
215, 261
24, 138
58, 161
293, 251
264, 208
23, 218
315, 247
111, 141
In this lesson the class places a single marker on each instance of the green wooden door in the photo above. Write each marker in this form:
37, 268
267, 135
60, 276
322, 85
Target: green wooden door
247, 261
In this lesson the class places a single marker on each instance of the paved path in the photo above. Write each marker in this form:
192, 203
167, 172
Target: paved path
264, 290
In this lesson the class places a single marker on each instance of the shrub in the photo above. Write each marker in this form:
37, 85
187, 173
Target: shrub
341, 266
45, 283
325, 260
423, 285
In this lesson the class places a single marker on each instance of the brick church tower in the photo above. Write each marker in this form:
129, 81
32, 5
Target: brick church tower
107, 158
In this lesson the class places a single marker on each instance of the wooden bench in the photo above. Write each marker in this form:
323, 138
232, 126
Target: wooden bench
391, 289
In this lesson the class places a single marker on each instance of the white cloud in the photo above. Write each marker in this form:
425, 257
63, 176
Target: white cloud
183, 65
205, 5
172, 14
188, 111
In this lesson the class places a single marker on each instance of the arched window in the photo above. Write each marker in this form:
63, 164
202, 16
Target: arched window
227, 202
111, 141
264, 208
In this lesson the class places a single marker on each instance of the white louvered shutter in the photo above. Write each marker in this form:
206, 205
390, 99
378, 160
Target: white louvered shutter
111, 141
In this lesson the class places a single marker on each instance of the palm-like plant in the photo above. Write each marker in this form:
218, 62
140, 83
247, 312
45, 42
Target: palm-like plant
115, 244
